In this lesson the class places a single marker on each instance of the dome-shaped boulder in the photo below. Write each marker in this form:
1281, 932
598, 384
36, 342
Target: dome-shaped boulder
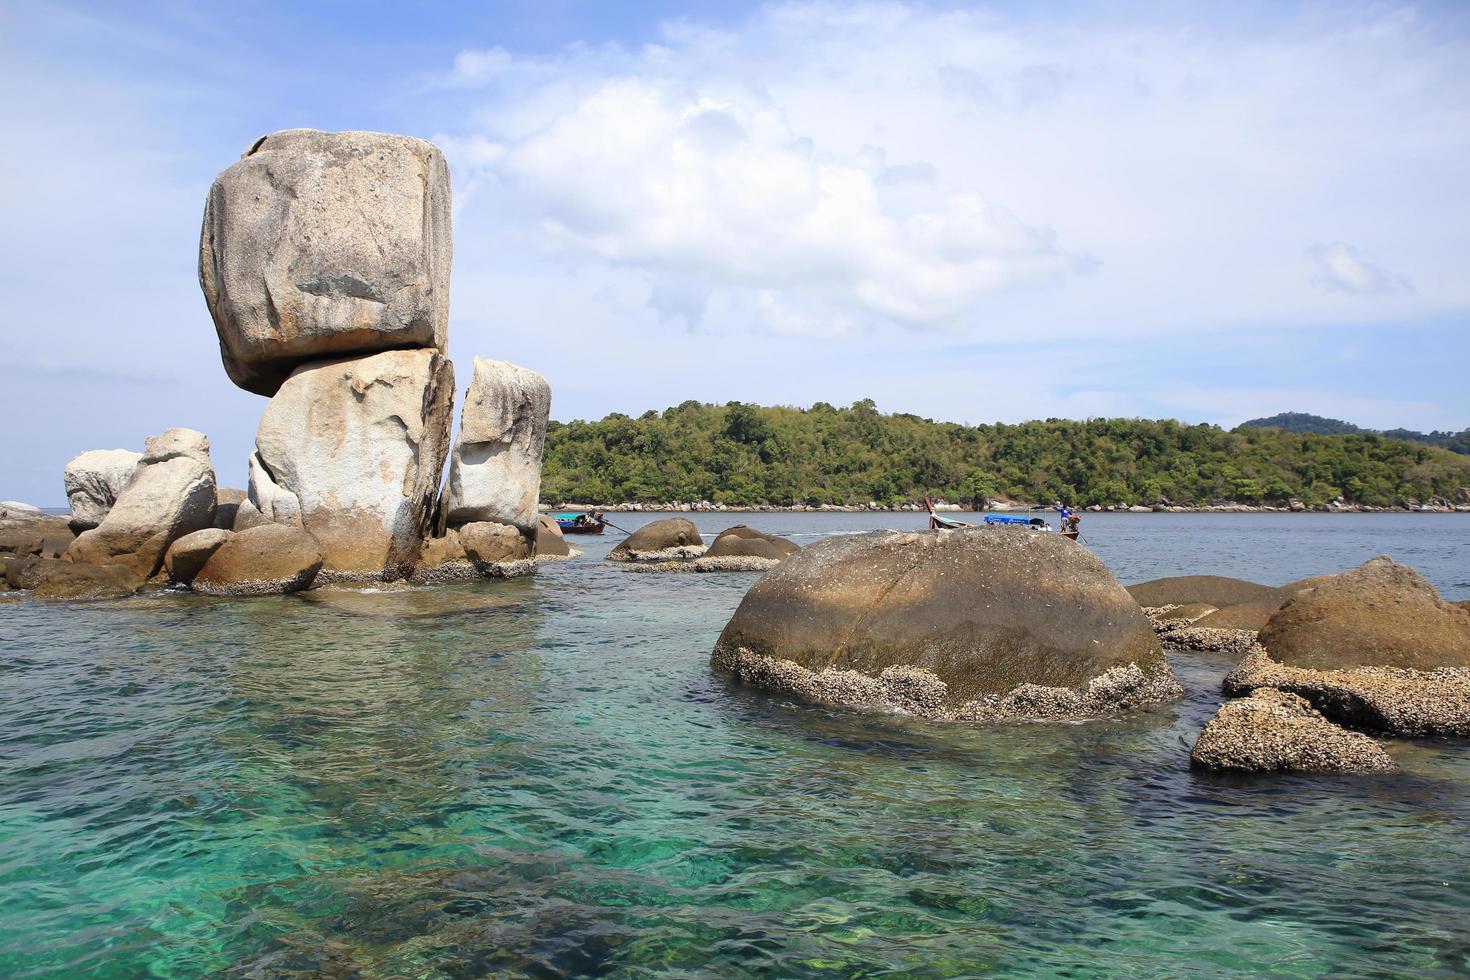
974, 624
746, 542
1217, 590
672, 537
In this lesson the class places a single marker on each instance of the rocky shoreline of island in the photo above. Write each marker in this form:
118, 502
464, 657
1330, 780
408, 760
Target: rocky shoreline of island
1433, 505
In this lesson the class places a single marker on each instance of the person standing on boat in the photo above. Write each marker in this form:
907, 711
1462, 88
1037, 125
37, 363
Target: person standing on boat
1069, 520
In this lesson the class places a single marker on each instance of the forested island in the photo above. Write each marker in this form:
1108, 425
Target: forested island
1455, 442
741, 455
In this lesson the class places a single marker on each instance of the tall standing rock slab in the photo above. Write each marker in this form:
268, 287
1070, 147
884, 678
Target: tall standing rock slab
495, 474
94, 480
353, 450
319, 245
171, 494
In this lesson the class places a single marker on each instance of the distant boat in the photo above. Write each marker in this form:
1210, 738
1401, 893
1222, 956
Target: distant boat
580, 523
994, 520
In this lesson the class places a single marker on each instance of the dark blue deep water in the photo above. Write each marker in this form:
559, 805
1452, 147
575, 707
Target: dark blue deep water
541, 777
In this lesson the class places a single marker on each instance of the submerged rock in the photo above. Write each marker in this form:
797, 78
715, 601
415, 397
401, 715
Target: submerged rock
268, 560
94, 480
351, 451
990, 623
323, 245
746, 542
495, 472
1215, 590
662, 540
1273, 730
171, 494
52, 578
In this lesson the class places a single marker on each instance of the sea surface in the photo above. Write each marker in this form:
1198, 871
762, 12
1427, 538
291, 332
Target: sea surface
541, 777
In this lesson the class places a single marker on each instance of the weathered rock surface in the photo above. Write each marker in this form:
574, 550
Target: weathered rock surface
170, 495
186, 556
227, 501
14, 510
56, 579
442, 559
1245, 616
1273, 730
47, 536
488, 543
352, 450
1380, 614
323, 245
746, 542
94, 480
1007, 624
495, 472
550, 542
672, 537
1390, 700
268, 560
1216, 590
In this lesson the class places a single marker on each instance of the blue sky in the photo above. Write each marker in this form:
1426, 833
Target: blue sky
972, 212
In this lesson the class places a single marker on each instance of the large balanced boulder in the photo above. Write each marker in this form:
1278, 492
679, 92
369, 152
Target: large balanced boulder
268, 560
351, 451
671, 537
973, 624
320, 245
1380, 614
1215, 590
94, 480
1273, 730
495, 472
170, 495
186, 556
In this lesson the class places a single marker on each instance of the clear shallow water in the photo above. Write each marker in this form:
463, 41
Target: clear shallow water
542, 777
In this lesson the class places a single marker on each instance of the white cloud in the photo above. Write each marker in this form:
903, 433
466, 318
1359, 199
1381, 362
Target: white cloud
890, 163
1340, 268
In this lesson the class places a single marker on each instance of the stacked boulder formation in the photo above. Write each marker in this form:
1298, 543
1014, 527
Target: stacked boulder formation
980, 624
325, 259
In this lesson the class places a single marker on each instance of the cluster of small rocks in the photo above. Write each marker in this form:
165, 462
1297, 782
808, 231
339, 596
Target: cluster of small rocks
674, 545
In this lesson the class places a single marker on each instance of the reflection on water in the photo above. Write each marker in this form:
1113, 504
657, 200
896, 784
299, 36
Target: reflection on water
542, 777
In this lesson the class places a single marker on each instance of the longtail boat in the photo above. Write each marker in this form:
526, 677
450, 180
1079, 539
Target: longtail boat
580, 523
937, 523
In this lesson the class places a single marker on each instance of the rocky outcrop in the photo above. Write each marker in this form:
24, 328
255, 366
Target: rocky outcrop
495, 472
53, 578
94, 480
45, 535
1251, 616
170, 495
550, 542
1273, 730
14, 510
186, 556
987, 623
1380, 614
1389, 700
268, 560
351, 451
322, 245
1215, 590
746, 542
670, 538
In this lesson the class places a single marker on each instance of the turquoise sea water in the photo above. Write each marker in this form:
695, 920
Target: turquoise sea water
541, 777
